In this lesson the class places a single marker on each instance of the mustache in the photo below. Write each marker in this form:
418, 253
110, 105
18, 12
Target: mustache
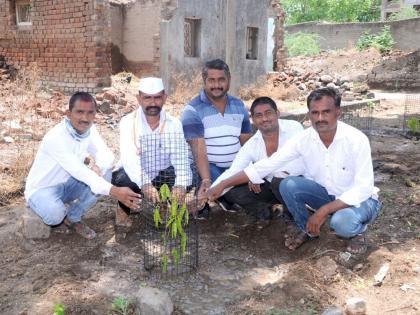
220, 89
321, 122
84, 122
153, 107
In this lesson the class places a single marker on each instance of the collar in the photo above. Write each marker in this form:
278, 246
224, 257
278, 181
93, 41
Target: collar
339, 134
73, 132
258, 135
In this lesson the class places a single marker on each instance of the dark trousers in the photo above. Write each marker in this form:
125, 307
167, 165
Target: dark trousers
121, 179
257, 205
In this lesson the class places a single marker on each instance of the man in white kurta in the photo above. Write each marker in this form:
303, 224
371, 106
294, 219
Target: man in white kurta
338, 181
272, 135
69, 168
153, 150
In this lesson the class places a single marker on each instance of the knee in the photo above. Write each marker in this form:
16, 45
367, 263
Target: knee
288, 185
345, 223
54, 217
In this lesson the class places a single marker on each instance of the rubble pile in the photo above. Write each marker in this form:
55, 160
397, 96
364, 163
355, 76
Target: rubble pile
7, 72
112, 104
309, 81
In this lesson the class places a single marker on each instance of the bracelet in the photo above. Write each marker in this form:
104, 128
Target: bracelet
206, 180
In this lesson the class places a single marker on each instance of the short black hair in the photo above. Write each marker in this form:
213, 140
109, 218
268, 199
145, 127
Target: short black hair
317, 94
83, 96
217, 64
263, 100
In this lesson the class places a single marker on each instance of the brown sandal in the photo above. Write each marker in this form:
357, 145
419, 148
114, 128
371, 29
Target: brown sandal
357, 244
81, 228
294, 237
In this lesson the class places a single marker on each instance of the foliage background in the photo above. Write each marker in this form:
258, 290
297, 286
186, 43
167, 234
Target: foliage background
331, 10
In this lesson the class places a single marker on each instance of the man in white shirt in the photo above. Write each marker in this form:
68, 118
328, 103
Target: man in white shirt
61, 184
272, 135
153, 150
338, 176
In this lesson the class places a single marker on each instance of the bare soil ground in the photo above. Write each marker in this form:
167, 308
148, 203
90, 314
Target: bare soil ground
244, 267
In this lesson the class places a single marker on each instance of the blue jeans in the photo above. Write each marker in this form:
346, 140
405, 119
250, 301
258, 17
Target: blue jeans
347, 222
216, 171
50, 203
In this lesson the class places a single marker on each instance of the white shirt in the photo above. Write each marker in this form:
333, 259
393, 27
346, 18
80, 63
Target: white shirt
144, 152
344, 168
255, 150
60, 157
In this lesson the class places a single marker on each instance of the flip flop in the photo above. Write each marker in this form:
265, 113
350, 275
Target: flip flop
81, 228
357, 244
296, 241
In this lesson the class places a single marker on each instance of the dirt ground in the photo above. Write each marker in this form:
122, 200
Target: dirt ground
244, 267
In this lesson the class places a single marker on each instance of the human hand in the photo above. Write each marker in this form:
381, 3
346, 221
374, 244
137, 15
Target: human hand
315, 221
256, 188
215, 192
126, 196
150, 193
202, 198
179, 192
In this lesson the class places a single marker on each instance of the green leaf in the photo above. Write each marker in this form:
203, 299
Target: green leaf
156, 216
175, 254
183, 243
174, 207
165, 263
165, 192
59, 309
174, 230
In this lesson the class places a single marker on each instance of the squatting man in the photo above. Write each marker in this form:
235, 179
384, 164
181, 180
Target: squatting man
337, 179
71, 169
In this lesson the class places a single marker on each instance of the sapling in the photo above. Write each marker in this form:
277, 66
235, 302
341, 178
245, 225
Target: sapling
176, 218
414, 125
59, 309
121, 305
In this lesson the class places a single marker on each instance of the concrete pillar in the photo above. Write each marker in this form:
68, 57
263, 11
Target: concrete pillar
165, 69
230, 59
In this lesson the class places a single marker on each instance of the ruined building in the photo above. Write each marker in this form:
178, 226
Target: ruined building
78, 44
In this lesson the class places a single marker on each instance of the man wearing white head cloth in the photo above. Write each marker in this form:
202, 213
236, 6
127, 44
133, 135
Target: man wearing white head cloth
152, 149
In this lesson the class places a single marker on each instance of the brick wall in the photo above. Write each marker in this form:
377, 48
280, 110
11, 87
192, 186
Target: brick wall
69, 40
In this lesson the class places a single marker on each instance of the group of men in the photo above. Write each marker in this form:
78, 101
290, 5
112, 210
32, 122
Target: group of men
322, 172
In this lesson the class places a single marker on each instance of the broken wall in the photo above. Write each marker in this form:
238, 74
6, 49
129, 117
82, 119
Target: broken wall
345, 35
135, 37
69, 42
221, 32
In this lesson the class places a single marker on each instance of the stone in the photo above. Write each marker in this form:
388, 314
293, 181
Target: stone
355, 306
318, 84
302, 87
105, 107
8, 139
347, 85
370, 95
331, 85
152, 301
33, 227
327, 266
99, 97
361, 88
326, 78
110, 96
122, 101
347, 96
334, 310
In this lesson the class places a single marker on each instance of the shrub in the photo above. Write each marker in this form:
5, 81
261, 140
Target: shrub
302, 44
404, 13
382, 41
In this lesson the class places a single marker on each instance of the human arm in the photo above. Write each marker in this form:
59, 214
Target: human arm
315, 221
102, 155
237, 179
246, 129
126, 196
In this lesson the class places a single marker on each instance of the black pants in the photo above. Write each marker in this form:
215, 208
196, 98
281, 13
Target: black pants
257, 205
121, 179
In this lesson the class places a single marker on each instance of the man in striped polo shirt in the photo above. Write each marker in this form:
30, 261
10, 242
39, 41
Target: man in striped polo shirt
215, 124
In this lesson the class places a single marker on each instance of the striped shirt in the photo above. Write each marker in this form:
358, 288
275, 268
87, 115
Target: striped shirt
201, 119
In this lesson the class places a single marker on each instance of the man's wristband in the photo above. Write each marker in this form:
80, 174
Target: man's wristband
206, 180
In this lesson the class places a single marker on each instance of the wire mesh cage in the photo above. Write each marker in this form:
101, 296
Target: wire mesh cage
411, 119
170, 194
359, 116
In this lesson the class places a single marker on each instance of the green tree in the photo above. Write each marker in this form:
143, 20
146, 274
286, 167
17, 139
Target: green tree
331, 10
